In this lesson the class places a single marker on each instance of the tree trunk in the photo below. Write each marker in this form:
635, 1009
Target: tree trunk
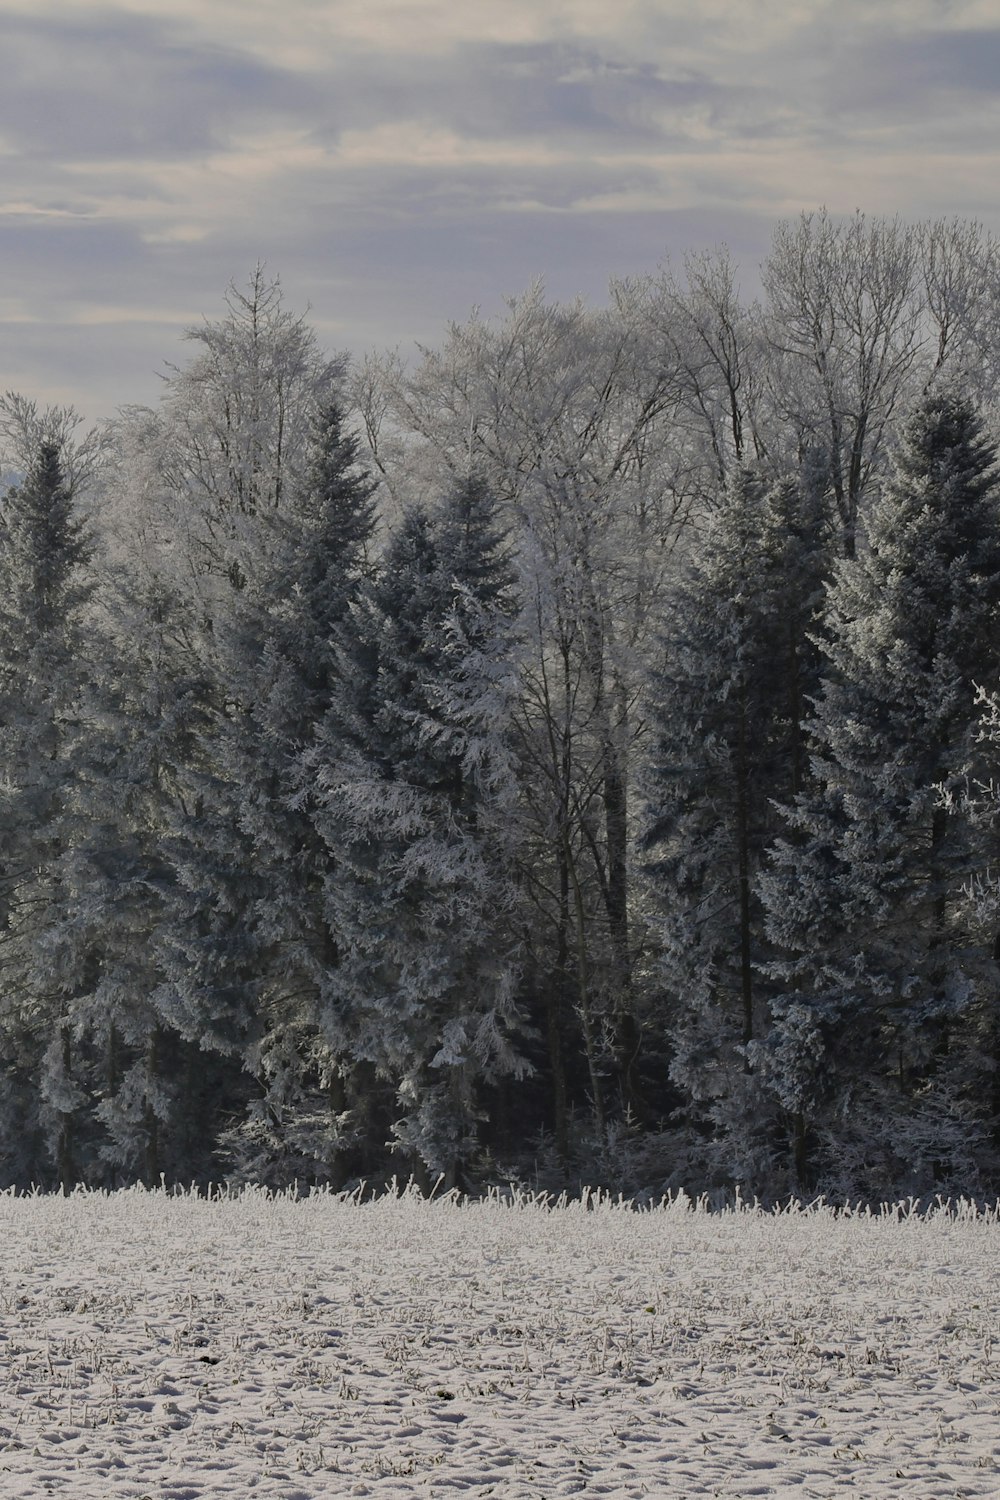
151, 1144
627, 1038
583, 994
800, 1151
555, 996
67, 1173
743, 874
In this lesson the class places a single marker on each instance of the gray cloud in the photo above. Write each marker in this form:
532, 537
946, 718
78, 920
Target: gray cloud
921, 84
900, 74
118, 86
556, 89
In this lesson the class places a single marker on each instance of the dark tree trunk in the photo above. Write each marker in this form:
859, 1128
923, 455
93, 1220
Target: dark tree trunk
743, 873
66, 1167
151, 1145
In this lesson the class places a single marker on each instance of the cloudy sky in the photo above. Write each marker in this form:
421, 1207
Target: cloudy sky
397, 161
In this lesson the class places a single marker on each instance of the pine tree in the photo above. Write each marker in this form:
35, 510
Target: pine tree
977, 806
725, 709
863, 895
418, 781
44, 590
278, 656
155, 1071
212, 511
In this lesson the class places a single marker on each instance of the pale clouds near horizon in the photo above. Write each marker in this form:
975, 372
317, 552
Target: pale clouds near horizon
397, 161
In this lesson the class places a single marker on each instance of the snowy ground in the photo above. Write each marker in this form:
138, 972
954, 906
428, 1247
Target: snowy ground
175, 1348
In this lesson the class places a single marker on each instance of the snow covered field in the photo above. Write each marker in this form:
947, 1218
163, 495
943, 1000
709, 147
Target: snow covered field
175, 1348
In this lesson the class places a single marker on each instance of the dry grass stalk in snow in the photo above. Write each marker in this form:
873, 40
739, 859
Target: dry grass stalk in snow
178, 1348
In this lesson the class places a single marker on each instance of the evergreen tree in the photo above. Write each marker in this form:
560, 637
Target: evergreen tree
725, 707
977, 805
213, 511
418, 781
44, 590
863, 895
278, 657
155, 1070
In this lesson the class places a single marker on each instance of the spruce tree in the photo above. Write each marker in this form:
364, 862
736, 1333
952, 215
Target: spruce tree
278, 661
977, 806
863, 895
418, 780
44, 590
155, 1069
725, 705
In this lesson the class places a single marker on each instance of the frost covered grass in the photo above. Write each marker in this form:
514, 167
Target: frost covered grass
176, 1347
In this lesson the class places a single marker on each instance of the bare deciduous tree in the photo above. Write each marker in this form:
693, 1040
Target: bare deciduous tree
844, 324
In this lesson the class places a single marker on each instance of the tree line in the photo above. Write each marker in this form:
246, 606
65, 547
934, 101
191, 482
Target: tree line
569, 756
